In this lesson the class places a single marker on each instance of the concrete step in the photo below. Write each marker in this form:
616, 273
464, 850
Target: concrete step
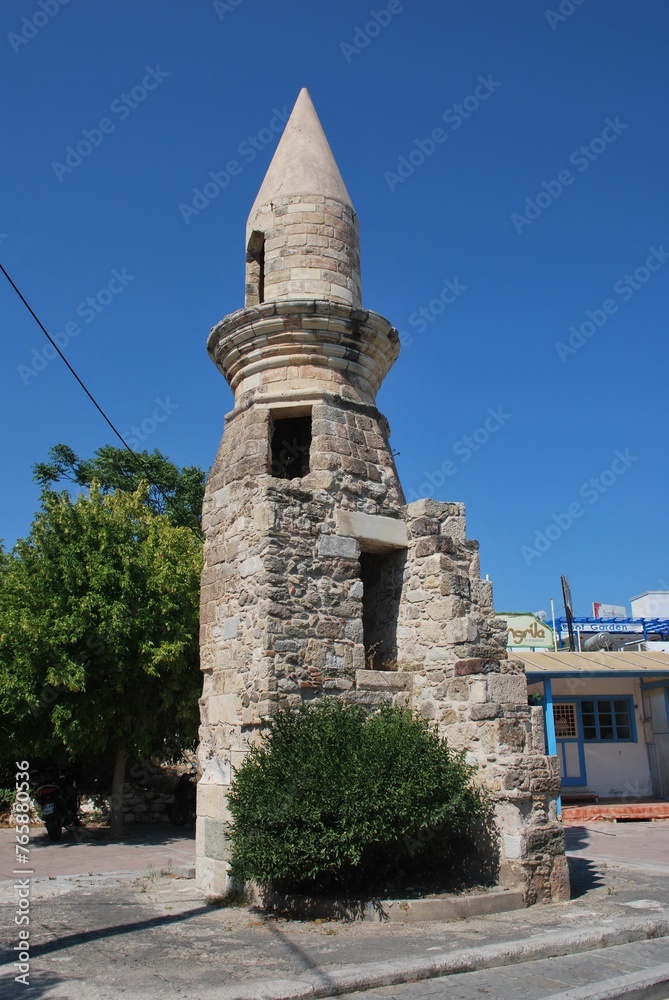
638, 971
564, 960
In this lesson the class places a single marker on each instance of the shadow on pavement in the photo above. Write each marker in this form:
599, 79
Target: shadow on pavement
83, 937
307, 963
576, 837
584, 876
39, 984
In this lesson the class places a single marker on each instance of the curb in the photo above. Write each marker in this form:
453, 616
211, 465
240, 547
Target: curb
648, 985
350, 978
404, 911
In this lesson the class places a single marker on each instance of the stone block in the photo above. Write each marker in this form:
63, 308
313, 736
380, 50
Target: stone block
212, 877
231, 627
224, 708
474, 665
250, 566
478, 691
443, 609
484, 711
515, 846
212, 801
460, 630
369, 699
387, 680
428, 508
338, 545
512, 735
435, 545
455, 584
216, 843
424, 526
374, 532
507, 689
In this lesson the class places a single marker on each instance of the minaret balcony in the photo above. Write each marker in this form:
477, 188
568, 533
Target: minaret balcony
297, 346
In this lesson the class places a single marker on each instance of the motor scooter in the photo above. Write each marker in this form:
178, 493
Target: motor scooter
182, 810
59, 804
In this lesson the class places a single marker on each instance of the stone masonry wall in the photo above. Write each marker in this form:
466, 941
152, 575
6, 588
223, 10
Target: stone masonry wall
456, 651
311, 249
283, 620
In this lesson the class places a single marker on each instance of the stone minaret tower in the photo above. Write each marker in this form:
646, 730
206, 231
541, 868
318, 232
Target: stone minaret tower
318, 577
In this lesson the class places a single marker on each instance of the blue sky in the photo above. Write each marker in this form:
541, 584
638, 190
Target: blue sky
508, 164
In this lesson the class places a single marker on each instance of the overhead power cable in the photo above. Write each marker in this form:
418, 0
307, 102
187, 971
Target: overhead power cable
137, 458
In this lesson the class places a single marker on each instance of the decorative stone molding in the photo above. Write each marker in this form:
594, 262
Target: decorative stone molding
297, 344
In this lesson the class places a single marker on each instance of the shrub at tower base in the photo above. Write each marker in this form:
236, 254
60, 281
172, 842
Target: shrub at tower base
335, 799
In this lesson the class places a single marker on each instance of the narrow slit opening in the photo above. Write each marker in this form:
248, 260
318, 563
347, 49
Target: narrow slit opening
255, 269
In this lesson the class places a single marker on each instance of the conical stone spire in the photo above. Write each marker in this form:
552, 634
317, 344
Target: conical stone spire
303, 163
302, 233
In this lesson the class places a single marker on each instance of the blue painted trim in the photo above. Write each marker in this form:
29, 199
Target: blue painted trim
551, 743
655, 684
582, 778
549, 726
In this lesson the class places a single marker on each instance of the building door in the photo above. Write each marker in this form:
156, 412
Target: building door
656, 709
569, 741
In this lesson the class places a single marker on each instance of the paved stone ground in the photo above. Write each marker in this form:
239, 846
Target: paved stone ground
92, 851
150, 935
632, 844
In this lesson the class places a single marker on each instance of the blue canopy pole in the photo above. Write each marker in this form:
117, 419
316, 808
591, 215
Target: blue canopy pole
549, 722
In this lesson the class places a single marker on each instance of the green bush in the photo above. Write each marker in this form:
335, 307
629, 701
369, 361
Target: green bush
7, 796
337, 797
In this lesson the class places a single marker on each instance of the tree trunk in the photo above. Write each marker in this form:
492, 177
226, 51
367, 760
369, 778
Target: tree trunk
116, 805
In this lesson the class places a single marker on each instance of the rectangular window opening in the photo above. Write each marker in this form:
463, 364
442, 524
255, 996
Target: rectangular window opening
290, 446
604, 720
382, 576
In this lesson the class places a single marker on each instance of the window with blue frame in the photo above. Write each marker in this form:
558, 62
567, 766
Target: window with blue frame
607, 720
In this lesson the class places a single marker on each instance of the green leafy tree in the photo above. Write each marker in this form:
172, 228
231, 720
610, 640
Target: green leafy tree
99, 631
173, 491
337, 796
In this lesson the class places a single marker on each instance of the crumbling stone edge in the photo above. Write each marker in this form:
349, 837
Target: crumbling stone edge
404, 911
